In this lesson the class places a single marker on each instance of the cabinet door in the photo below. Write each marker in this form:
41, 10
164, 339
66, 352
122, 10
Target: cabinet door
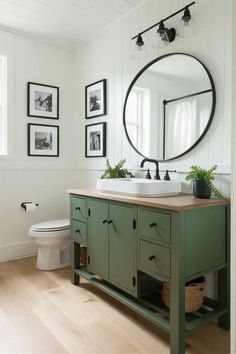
97, 238
121, 246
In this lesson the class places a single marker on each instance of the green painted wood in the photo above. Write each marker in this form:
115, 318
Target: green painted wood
154, 259
201, 321
122, 239
97, 238
130, 302
154, 225
78, 209
224, 280
197, 244
205, 244
79, 232
177, 290
75, 262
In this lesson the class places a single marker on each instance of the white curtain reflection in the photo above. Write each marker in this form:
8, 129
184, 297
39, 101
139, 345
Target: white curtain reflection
185, 122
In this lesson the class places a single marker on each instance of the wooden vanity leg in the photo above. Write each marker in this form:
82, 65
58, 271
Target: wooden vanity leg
75, 262
224, 297
224, 283
177, 295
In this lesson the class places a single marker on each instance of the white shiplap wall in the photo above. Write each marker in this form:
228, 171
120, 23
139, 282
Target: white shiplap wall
110, 55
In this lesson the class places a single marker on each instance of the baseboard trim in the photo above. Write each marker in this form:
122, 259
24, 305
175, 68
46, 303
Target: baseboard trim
17, 250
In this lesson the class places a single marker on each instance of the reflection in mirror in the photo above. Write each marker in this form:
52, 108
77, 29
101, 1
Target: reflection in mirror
169, 106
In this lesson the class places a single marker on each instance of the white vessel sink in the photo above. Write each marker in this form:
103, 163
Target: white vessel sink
139, 187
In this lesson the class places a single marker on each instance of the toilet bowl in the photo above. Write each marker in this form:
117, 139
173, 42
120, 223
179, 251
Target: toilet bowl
53, 240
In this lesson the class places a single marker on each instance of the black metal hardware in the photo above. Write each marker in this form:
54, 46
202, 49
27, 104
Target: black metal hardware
134, 281
134, 224
157, 176
23, 205
77, 208
152, 224
151, 258
148, 175
78, 231
105, 221
89, 212
167, 18
109, 222
88, 259
167, 176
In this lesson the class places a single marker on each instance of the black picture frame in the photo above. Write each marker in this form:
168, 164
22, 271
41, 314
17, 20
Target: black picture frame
95, 99
95, 140
43, 140
42, 101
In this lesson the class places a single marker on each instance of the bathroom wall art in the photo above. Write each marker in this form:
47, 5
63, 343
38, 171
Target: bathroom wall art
95, 140
95, 99
43, 140
42, 101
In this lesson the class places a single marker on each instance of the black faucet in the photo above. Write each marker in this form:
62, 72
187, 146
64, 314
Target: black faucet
157, 176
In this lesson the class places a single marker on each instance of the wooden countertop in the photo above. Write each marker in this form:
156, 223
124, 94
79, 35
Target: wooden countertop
177, 203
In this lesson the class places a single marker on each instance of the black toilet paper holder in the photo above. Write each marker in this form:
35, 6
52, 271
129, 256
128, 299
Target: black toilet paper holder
23, 204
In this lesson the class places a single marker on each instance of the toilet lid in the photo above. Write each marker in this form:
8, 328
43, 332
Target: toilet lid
52, 225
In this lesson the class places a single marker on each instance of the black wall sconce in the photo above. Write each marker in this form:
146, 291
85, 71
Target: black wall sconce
167, 34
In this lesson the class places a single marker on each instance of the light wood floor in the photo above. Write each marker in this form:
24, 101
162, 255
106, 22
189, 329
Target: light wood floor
43, 313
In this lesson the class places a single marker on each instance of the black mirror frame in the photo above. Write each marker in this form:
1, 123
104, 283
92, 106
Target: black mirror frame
211, 114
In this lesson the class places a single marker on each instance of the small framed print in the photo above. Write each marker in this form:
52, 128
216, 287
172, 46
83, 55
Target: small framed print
95, 99
95, 140
42, 101
43, 140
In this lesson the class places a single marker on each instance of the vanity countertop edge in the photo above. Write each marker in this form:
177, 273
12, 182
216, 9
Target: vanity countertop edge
177, 202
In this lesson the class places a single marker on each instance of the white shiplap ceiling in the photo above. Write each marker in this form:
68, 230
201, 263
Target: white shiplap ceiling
67, 23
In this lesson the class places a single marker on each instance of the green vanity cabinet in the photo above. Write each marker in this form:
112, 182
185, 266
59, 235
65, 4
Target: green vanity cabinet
97, 250
111, 243
134, 244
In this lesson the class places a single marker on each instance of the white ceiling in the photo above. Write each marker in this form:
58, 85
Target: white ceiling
66, 23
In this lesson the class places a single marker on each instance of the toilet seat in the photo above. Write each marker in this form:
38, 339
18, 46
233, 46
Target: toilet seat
51, 226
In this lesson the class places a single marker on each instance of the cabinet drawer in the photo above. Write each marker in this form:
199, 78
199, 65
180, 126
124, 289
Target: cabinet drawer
78, 209
155, 225
154, 258
79, 232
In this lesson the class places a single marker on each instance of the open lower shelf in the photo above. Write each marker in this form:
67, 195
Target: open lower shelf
151, 306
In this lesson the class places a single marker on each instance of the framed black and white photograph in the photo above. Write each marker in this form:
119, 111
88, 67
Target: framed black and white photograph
43, 140
42, 101
95, 140
95, 99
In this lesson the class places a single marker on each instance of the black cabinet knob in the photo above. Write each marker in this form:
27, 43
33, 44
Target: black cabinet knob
151, 258
104, 221
77, 208
152, 224
109, 221
78, 231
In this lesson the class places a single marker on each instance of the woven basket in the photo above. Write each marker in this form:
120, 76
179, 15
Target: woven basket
193, 294
83, 256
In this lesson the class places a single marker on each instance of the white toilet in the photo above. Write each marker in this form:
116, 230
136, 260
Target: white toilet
53, 240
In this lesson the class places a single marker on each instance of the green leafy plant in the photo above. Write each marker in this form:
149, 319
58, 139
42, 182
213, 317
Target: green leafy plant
118, 171
198, 173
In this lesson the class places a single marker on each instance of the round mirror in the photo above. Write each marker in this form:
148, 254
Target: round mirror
169, 106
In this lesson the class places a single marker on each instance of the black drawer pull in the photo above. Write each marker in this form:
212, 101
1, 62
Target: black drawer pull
109, 221
105, 221
77, 208
78, 231
152, 224
151, 258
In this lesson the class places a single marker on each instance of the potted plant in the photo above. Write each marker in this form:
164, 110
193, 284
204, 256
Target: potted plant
202, 182
118, 171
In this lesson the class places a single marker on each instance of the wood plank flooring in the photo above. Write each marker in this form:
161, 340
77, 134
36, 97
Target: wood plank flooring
43, 313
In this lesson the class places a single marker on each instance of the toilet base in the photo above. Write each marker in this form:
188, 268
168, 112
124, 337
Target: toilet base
50, 258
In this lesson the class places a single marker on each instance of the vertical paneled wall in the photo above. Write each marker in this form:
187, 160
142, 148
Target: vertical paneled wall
111, 54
